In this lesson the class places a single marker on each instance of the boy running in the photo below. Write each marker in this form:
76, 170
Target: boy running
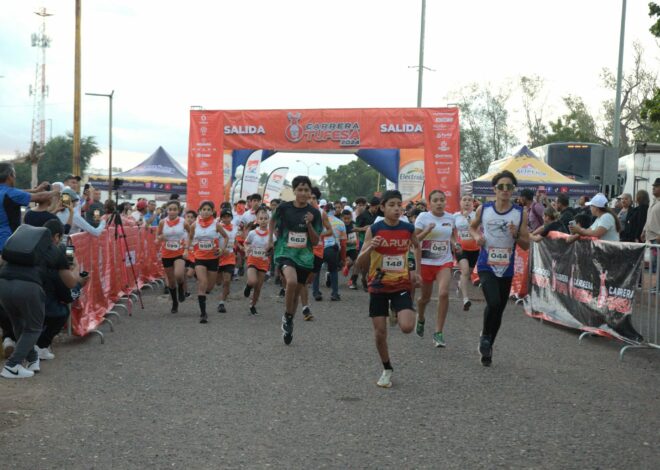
258, 261
228, 258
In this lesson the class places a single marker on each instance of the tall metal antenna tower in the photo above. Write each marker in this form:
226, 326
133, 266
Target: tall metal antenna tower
39, 91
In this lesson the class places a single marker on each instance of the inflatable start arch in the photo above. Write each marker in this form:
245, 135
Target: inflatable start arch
372, 134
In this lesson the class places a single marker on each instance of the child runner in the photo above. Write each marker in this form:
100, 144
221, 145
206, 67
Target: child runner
384, 254
258, 261
298, 227
204, 238
173, 231
504, 225
318, 259
436, 230
188, 255
228, 258
467, 259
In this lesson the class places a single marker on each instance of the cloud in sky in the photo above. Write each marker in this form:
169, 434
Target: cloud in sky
162, 57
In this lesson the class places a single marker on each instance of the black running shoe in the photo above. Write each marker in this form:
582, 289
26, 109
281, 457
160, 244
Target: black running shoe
204, 318
318, 297
335, 298
282, 292
287, 328
182, 294
486, 351
175, 309
246, 291
187, 294
221, 308
253, 310
307, 313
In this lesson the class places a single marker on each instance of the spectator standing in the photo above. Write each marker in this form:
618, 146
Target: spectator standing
566, 213
534, 209
652, 227
95, 209
625, 201
636, 220
69, 203
140, 211
39, 215
152, 216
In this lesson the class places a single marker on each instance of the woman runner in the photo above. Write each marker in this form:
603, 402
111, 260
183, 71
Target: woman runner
204, 238
189, 256
385, 255
437, 231
228, 258
467, 259
258, 261
173, 231
504, 225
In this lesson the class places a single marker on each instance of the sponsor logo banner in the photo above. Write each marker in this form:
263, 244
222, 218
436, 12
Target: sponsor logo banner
274, 184
205, 158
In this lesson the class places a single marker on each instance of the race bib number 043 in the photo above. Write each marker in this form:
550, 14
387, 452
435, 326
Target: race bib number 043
297, 240
435, 249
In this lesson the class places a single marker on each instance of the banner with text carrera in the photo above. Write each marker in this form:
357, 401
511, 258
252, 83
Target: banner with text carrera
433, 129
587, 285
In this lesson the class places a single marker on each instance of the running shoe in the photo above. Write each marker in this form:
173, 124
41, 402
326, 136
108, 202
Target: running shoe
253, 310
419, 328
385, 380
222, 308
327, 280
8, 345
187, 294
44, 353
466, 304
438, 340
335, 297
318, 297
307, 313
351, 285
203, 318
287, 328
282, 292
486, 350
34, 366
16, 372
175, 308
246, 291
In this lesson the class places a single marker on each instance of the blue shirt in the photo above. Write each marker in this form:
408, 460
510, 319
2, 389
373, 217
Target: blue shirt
10, 195
155, 221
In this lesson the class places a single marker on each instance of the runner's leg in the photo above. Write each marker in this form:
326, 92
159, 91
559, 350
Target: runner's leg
443, 278
261, 276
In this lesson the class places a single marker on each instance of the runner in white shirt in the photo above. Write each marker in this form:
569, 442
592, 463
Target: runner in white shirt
467, 260
436, 231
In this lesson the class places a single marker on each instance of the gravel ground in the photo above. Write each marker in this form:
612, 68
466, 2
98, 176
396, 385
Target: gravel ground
167, 392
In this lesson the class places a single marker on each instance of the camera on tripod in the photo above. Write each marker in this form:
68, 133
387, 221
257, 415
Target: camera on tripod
117, 183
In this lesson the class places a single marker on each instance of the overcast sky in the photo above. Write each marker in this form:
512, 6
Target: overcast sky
162, 57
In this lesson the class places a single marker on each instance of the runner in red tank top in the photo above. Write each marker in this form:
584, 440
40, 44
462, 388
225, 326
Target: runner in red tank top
173, 233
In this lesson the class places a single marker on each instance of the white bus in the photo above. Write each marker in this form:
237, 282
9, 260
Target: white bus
639, 169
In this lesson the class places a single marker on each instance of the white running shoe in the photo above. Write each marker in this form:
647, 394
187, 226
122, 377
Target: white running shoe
16, 372
44, 353
8, 345
34, 366
385, 380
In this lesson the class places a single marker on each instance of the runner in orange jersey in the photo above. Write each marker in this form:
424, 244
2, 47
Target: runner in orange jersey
228, 258
258, 258
174, 233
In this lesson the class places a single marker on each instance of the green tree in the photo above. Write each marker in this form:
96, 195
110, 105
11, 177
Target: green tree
55, 164
533, 106
650, 110
485, 132
352, 180
577, 125
263, 178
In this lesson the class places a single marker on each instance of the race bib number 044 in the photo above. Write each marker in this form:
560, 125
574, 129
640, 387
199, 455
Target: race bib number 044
297, 240
499, 256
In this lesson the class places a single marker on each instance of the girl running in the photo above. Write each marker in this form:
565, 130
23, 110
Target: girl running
504, 226
174, 232
228, 258
258, 260
189, 256
204, 238
385, 255
437, 231
467, 259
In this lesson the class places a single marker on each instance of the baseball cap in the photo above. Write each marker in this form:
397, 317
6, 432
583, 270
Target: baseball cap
141, 205
343, 199
599, 200
72, 194
374, 201
322, 203
656, 182
226, 212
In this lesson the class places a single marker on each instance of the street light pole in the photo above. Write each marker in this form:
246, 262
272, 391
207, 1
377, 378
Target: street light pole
421, 57
76, 96
616, 136
109, 139
308, 166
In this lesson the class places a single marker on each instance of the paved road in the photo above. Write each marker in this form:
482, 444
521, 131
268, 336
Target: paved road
167, 392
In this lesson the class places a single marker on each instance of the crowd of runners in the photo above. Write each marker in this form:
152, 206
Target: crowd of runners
382, 247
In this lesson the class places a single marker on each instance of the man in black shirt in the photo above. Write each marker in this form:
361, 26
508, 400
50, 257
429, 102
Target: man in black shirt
566, 213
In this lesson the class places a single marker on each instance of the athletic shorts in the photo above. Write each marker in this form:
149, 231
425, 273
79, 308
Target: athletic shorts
190, 264
379, 304
352, 254
471, 256
318, 262
429, 272
169, 262
301, 273
210, 264
258, 269
226, 268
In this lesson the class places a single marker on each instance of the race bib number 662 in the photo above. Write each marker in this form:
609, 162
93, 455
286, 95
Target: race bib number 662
297, 240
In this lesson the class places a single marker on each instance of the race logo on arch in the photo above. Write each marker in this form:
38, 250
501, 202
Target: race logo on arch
432, 133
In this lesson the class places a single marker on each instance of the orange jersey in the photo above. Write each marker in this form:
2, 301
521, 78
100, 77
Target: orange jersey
258, 256
205, 241
174, 233
229, 255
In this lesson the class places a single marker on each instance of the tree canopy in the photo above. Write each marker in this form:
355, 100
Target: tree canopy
352, 180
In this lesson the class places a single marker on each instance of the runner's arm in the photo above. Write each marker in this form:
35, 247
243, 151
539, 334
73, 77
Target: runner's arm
523, 233
474, 227
364, 257
159, 231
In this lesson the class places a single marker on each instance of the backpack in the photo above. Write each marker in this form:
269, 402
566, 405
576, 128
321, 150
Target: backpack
27, 246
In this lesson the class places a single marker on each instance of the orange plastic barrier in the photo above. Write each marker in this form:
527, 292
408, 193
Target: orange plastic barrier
519, 287
110, 274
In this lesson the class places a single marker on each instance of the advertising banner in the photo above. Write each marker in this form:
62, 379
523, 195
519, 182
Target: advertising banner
250, 182
226, 167
433, 129
274, 184
587, 285
411, 174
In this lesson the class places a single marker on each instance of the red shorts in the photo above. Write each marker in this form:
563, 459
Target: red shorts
430, 272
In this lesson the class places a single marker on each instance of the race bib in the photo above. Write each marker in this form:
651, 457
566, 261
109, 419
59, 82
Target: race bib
435, 249
259, 252
499, 256
297, 240
352, 238
465, 234
205, 245
172, 245
394, 264
230, 244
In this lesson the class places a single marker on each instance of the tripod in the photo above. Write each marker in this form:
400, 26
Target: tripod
115, 219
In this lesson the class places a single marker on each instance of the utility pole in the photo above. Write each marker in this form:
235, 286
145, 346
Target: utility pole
39, 91
616, 135
420, 76
76, 97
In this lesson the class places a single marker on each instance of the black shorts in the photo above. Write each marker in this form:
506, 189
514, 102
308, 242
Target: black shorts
379, 304
318, 262
190, 264
301, 273
471, 256
210, 264
169, 262
352, 254
227, 268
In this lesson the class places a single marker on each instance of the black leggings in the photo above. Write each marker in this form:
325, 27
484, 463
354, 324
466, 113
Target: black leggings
52, 327
496, 292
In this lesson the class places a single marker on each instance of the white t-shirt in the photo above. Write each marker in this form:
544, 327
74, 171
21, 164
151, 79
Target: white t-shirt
137, 215
436, 246
606, 220
258, 242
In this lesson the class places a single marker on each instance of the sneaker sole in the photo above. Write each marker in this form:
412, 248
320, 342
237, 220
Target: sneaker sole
308, 318
466, 306
486, 361
439, 345
286, 336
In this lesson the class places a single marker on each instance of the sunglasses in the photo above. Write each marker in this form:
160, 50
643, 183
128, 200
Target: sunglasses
506, 186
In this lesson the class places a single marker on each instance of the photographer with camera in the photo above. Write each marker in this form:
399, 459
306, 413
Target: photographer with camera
69, 201
28, 254
45, 211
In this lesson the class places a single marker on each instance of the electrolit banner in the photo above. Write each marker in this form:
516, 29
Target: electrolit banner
411, 174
